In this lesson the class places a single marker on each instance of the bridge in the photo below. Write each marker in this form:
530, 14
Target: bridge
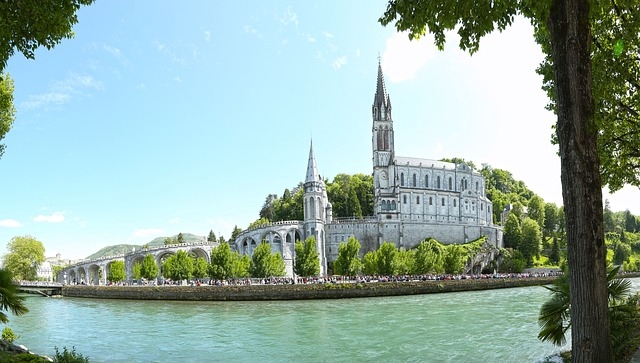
40, 288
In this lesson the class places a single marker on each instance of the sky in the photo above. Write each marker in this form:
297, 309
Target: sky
162, 117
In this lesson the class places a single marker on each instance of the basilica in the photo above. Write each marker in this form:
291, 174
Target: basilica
414, 199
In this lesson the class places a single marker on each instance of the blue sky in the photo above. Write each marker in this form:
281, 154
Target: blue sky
166, 117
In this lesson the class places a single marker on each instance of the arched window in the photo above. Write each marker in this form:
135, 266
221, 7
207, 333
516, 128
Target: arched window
393, 205
384, 205
438, 184
450, 183
386, 139
454, 202
430, 201
443, 202
404, 199
380, 142
426, 181
312, 208
481, 206
465, 184
418, 200
476, 186
415, 182
402, 179
375, 112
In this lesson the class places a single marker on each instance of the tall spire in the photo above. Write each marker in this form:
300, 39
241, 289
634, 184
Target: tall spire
312, 170
381, 101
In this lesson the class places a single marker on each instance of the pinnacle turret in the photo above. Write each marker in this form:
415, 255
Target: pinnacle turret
312, 170
381, 102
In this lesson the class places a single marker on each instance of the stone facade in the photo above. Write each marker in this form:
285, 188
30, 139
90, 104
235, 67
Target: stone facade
414, 199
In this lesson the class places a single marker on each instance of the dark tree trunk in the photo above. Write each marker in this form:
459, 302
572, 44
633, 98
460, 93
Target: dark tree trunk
581, 187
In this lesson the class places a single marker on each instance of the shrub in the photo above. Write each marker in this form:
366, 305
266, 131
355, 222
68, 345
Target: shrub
8, 335
69, 356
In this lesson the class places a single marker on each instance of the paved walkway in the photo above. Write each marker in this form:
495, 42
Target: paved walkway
636, 357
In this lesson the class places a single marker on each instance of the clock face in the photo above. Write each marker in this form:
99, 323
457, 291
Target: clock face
383, 176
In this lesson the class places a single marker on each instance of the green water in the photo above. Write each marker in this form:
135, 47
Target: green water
481, 326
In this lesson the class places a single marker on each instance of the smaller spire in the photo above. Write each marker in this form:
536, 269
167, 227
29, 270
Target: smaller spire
312, 170
381, 99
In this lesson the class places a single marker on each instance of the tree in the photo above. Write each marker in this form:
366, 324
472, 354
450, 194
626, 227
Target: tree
25, 26
609, 222
178, 267
429, 257
386, 259
200, 268
222, 261
149, 268
9, 298
7, 109
180, 238
234, 234
169, 241
536, 210
25, 255
212, 237
566, 32
621, 253
258, 222
554, 256
531, 240
550, 219
512, 232
405, 261
348, 263
265, 263
454, 259
135, 271
307, 262
629, 222
116, 271
370, 263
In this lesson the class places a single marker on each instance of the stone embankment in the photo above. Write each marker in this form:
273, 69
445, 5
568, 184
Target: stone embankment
296, 291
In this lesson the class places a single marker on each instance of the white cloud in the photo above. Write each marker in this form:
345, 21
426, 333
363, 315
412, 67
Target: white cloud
10, 223
164, 49
289, 17
311, 39
177, 79
148, 232
57, 217
248, 29
403, 58
327, 35
112, 50
62, 92
207, 36
339, 62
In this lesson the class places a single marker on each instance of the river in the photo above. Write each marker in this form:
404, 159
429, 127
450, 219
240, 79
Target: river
480, 326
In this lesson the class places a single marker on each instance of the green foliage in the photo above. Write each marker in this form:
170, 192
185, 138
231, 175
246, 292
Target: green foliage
9, 298
8, 335
429, 257
116, 271
265, 263
200, 268
227, 264
24, 256
630, 224
7, 108
371, 263
551, 219
531, 240
554, 256
536, 210
180, 238
234, 234
512, 261
114, 250
621, 253
258, 222
307, 262
287, 208
512, 232
178, 267
554, 317
69, 356
212, 237
149, 268
454, 259
351, 195
502, 189
404, 261
135, 271
387, 258
169, 241
348, 262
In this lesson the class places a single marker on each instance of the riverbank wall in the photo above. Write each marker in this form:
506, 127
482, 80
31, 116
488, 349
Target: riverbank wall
296, 291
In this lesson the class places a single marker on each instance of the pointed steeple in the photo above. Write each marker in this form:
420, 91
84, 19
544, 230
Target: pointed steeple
381, 102
312, 170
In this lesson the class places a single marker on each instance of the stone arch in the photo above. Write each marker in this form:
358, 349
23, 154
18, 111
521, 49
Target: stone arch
71, 277
274, 239
312, 208
82, 275
199, 252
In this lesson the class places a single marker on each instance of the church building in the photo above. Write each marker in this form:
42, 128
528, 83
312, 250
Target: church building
414, 199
